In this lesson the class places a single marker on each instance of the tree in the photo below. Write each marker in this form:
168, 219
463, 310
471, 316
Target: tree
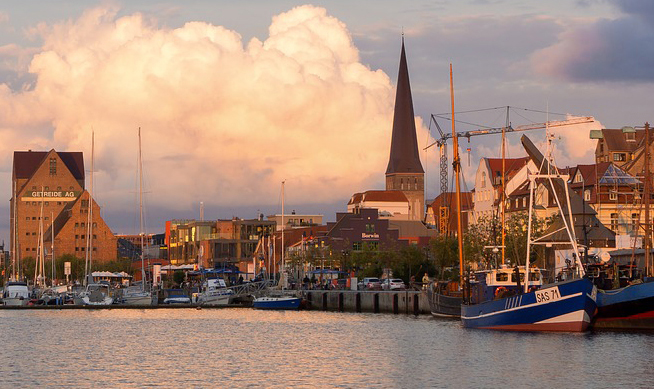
445, 251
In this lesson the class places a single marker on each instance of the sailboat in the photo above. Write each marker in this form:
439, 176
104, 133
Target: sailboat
278, 302
564, 306
94, 293
445, 298
632, 307
15, 292
139, 296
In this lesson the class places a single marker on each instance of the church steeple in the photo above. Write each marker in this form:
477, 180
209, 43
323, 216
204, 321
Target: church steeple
404, 156
404, 171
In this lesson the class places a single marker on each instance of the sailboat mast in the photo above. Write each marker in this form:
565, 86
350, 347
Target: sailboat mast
89, 219
39, 271
141, 233
283, 268
52, 226
457, 173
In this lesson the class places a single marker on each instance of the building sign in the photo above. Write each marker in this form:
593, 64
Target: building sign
369, 236
67, 268
60, 195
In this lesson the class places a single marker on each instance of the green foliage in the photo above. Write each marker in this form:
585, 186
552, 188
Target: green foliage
178, 277
445, 252
488, 232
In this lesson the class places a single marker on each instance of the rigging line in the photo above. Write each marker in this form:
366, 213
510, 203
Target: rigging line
464, 122
538, 111
526, 118
471, 111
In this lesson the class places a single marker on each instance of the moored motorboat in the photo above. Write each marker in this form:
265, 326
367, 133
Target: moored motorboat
215, 292
280, 302
176, 296
16, 293
96, 294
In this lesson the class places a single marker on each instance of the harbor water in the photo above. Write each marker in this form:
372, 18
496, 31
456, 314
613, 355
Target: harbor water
250, 348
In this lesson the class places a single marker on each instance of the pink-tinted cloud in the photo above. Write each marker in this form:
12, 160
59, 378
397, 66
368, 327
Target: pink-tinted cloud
223, 121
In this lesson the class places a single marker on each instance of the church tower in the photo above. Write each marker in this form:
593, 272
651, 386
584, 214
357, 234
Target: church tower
404, 171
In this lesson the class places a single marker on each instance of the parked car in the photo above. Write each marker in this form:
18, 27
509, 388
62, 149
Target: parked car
394, 283
370, 283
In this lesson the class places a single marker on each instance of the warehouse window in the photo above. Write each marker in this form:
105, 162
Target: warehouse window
53, 166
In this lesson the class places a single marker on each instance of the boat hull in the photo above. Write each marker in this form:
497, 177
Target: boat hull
290, 303
137, 299
628, 308
566, 307
441, 305
15, 301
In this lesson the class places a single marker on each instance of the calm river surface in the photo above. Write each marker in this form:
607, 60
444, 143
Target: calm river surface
249, 348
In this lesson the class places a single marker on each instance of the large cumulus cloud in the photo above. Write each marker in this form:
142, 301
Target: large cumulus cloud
223, 121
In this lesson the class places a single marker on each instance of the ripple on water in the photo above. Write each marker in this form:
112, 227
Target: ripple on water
241, 347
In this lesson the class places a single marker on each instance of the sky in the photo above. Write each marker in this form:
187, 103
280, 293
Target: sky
233, 98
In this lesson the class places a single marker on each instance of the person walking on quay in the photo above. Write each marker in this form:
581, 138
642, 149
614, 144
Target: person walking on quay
425, 281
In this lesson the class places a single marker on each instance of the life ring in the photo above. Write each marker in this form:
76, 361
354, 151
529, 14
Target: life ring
499, 290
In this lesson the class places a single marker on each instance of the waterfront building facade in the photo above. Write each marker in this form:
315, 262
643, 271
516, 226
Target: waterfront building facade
404, 171
294, 219
389, 203
49, 186
215, 243
488, 184
441, 212
624, 148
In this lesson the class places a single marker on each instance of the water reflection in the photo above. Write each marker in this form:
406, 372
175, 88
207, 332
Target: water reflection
241, 347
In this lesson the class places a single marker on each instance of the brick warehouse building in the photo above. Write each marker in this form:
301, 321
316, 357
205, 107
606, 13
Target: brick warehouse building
54, 181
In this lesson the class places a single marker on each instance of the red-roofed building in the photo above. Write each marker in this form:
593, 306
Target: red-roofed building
488, 183
49, 187
389, 203
443, 210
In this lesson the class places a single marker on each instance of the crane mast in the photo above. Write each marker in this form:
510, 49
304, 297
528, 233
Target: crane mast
444, 136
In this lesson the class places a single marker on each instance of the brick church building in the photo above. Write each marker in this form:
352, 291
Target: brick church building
49, 186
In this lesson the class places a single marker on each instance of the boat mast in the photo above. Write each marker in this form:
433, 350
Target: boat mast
647, 243
503, 202
89, 219
39, 271
457, 173
282, 280
141, 214
52, 226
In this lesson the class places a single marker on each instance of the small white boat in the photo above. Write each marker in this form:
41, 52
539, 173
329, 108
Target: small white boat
215, 292
16, 294
177, 296
96, 294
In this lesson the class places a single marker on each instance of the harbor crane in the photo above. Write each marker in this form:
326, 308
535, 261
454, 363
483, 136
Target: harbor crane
444, 136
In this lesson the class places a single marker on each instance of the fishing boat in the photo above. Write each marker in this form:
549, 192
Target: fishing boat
139, 296
278, 302
563, 306
445, 297
631, 307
